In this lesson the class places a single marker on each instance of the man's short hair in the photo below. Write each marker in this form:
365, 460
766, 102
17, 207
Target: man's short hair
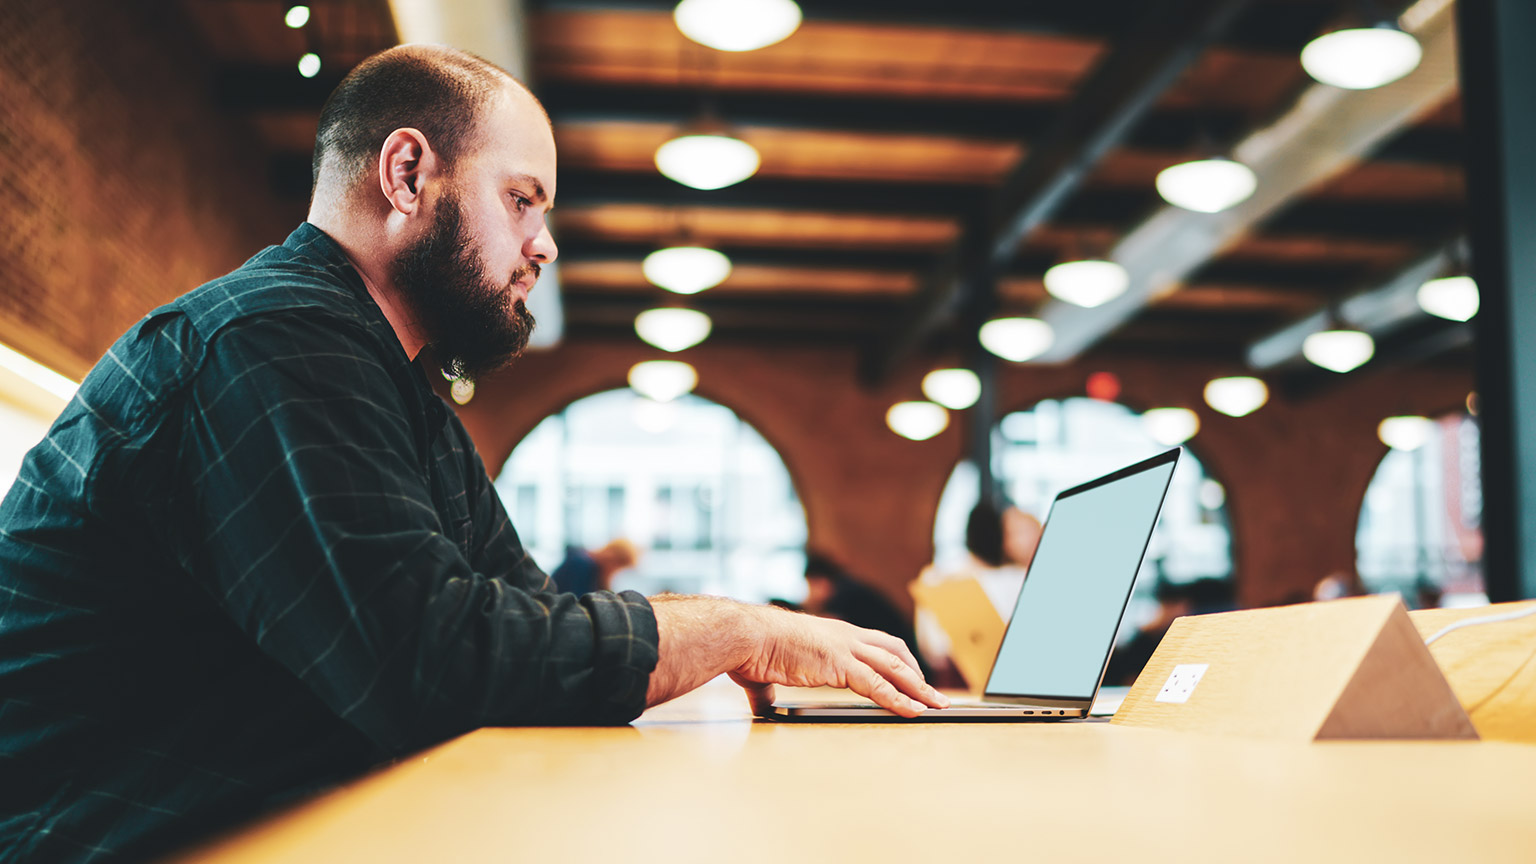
440, 92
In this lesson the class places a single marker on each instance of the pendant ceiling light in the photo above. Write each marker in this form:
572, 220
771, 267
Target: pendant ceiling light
955, 389
1238, 396
672, 329
1338, 350
1087, 283
917, 421
1405, 433
1362, 58
1207, 185
1170, 427
1017, 339
686, 269
707, 161
737, 25
663, 380
1454, 298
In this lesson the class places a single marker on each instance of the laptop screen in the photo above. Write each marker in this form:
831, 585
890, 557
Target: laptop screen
1067, 613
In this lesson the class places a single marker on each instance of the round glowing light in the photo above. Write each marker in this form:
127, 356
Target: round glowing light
1405, 433
737, 25
1361, 59
462, 390
672, 329
309, 65
1087, 283
1454, 298
1170, 426
1338, 350
655, 417
297, 16
662, 380
707, 161
1017, 339
1207, 185
955, 389
1237, 396
686, 269
917, 421
1103, 386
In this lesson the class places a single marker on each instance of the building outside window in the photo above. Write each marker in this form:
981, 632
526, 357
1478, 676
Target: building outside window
702, 494
1420, 531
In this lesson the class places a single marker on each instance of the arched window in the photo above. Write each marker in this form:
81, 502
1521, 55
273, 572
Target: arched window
705, 498
1420, 530
1058, 444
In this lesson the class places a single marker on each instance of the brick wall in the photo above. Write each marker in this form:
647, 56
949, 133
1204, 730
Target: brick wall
1295, 472
122, 184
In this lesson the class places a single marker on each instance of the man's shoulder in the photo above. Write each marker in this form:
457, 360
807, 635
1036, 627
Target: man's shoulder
274, 282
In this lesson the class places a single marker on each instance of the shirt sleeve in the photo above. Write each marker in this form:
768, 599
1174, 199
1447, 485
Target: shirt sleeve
313, 525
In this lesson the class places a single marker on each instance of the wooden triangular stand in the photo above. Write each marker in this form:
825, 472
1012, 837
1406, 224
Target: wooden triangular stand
1353, 668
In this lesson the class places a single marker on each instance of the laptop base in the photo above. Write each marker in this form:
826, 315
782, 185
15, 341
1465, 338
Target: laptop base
853, 712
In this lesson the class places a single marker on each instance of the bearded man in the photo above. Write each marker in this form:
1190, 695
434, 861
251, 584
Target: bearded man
257, 554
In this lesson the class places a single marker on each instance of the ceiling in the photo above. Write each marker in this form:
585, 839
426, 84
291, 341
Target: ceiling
888, 132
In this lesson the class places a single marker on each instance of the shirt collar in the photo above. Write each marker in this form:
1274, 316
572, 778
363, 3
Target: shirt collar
311, 243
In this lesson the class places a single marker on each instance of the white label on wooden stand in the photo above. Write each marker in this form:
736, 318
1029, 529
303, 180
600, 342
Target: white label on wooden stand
1182, 682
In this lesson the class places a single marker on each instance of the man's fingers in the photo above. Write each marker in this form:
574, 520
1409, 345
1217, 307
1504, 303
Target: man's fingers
896, 670
895, 646
759, 695
870, 684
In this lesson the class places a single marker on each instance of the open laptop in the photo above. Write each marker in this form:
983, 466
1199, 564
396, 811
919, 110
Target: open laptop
1053, 655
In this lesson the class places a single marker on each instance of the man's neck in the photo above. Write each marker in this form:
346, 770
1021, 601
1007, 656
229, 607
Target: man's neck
358, 246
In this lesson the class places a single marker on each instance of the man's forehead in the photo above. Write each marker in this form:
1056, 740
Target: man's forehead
518, 141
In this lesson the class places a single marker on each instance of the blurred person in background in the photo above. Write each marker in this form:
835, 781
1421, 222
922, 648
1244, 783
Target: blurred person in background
1000, 540
586, 570
832, 592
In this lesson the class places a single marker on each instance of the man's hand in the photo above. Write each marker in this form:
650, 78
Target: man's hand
762, 646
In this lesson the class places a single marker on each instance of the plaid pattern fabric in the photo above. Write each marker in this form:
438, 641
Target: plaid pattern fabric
255, 555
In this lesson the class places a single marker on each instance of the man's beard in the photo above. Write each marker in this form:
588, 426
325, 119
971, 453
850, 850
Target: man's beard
472, 324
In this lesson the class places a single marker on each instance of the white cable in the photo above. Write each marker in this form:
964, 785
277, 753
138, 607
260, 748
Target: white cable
1486, 619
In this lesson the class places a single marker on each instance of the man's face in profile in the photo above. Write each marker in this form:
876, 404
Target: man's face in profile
475, 323
467, 278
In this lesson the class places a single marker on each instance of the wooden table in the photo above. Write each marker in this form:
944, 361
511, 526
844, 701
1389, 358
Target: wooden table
697, 780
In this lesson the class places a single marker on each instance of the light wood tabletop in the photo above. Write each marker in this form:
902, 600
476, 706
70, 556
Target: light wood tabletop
698, 780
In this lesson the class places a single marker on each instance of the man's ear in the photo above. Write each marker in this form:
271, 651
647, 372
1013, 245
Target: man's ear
405, 161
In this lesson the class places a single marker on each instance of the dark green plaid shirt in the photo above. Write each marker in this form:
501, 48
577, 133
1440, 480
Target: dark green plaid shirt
257, 554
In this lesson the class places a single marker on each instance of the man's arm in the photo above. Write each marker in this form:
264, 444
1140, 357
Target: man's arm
760, 646
311, 520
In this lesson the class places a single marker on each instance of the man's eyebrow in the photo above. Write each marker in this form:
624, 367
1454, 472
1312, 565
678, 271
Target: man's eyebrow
538, 188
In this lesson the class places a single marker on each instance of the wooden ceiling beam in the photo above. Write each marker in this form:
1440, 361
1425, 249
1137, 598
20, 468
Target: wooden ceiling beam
1269, 26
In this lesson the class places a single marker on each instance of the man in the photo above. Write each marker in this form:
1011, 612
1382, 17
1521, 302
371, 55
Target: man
256, 554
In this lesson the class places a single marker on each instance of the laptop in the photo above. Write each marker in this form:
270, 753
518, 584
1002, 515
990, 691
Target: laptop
1057, 645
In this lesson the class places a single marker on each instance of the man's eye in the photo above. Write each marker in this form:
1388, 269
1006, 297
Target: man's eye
521, 202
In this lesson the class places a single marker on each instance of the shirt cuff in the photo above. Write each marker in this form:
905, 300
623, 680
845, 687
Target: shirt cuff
627, 651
